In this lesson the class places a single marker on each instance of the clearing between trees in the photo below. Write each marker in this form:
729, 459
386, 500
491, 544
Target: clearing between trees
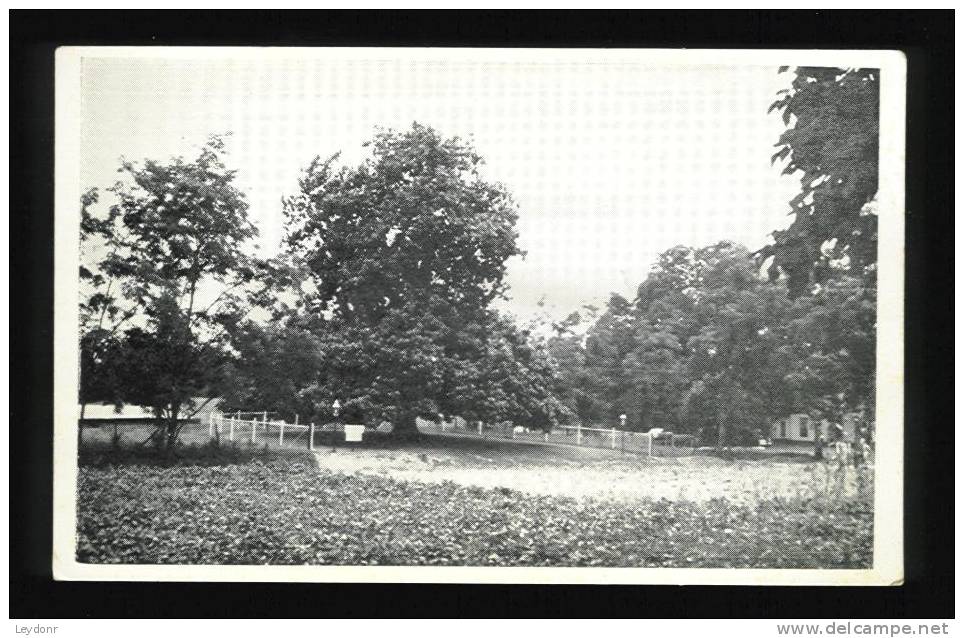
580, 472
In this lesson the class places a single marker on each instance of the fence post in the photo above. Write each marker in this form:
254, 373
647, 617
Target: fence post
231, 431
296, 419
254, 429
211, 424
578, 433
614, 438
264, 419
311, 437
480, 428
281, 435
545, 435
649, 443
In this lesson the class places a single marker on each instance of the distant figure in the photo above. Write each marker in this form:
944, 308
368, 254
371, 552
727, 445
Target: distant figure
821, 444
840, 446
842, 457
861, 461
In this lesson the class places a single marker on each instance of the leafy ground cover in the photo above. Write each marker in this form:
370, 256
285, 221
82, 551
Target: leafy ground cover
105, 454
284, 511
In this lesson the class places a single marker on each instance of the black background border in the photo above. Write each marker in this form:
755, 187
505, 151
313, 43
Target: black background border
926, 38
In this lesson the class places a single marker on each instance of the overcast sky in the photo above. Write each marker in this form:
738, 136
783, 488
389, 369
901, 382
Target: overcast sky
610, 163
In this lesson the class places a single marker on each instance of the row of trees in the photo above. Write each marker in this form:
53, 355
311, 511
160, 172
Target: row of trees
711, 347
708, 345
382, 296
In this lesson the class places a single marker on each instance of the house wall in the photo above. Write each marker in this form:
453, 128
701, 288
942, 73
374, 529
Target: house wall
800, 427
204, 410
108, 413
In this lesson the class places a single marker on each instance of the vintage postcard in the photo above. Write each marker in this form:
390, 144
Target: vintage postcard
479, 315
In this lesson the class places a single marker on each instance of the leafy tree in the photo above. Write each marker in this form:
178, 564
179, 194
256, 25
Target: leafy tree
608, 343
164, 367
736, 378
833, 119
665, 320
403, 254
277, 368
653, 378
100, 356
832, 349
578, 383
167, 259
511, 378
102, 311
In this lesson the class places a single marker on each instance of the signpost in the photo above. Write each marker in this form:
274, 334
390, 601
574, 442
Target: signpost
335, 407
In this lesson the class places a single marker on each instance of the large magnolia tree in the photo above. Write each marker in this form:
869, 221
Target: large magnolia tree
403, 255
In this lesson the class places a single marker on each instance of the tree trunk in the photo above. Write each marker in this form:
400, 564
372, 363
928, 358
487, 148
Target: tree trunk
80, 425
405, 428
721, 432
172, 430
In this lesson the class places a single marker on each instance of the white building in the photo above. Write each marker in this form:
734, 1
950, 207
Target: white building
95, 413
802, 428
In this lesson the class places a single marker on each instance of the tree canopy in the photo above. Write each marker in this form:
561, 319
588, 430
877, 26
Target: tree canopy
400, 259
383, 295
832, 117
164, 269
711, 347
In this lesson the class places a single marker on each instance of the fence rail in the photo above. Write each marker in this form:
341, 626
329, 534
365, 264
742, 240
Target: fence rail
264, 430
261, 429
650, 443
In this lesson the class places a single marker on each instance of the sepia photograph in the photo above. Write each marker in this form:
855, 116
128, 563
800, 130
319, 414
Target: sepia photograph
479, 315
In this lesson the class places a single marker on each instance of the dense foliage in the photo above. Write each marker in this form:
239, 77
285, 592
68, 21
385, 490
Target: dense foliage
832, 142
286, 513
393, 265
161, 270
383, 296
711, 347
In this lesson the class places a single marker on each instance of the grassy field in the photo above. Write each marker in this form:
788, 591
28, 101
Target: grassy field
133, 434
416, 505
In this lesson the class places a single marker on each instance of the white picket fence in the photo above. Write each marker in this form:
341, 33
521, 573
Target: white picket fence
255, 426
654, 441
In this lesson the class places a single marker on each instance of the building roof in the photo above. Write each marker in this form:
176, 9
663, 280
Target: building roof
108, 411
